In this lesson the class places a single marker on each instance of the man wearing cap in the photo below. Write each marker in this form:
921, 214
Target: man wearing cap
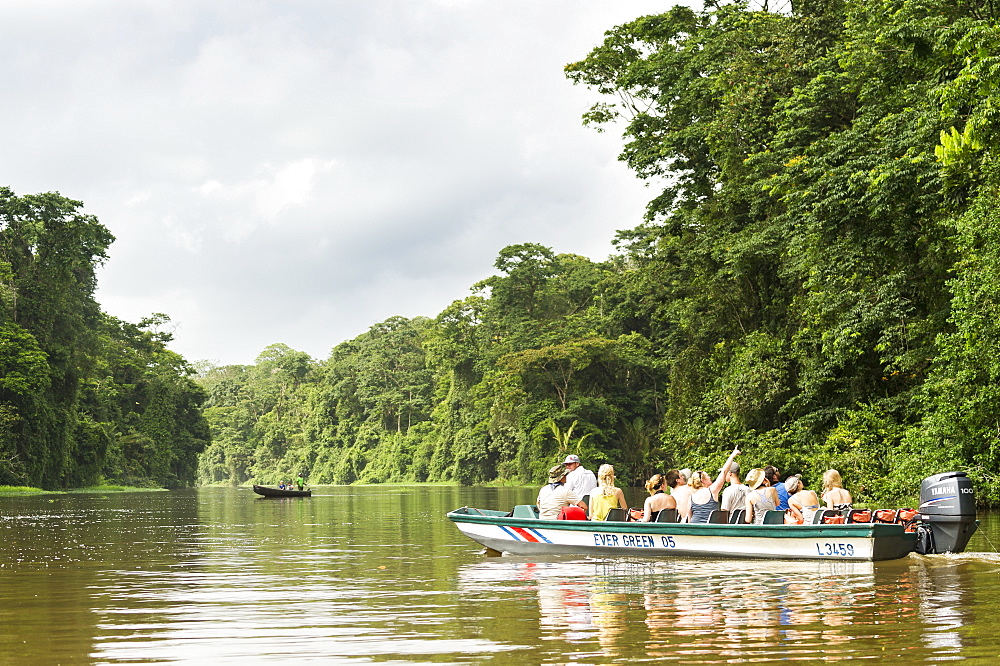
555, 495
579, 479
734, 497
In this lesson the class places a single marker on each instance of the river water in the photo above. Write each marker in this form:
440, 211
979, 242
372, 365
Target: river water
367, 574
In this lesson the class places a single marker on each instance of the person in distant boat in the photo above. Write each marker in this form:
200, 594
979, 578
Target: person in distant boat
681, 493
607, 495
761, 498
281, 486
734, 497
579, 479
300, 482
774, 480
555, 495
705, 492
805, 501
658, 499
833, 491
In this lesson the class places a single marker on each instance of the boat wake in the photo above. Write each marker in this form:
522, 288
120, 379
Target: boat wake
989, 558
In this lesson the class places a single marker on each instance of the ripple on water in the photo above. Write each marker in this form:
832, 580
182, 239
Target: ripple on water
216, 576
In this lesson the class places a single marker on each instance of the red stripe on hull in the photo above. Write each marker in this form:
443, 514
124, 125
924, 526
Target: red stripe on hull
525, 534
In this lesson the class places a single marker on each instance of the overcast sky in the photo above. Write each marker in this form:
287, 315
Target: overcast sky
295, 171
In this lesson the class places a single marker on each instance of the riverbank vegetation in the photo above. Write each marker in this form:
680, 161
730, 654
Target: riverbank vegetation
817, 280
111, 488
21, 490
84, 397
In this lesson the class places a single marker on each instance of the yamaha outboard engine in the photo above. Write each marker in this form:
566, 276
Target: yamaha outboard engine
948, 513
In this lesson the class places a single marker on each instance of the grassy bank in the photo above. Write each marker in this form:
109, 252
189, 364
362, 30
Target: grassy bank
115, 489
21, 490
29, 490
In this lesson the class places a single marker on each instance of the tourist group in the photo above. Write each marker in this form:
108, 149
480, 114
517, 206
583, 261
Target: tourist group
574, 492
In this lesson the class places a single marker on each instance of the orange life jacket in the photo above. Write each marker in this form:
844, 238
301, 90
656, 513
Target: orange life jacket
884, 516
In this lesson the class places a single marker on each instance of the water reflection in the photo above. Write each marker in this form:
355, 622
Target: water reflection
942, 605
712, 611
366, 574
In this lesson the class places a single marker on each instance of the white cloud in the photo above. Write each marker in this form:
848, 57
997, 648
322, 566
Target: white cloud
297, 171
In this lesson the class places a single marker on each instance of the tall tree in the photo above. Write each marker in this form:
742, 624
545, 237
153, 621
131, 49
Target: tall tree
48, 253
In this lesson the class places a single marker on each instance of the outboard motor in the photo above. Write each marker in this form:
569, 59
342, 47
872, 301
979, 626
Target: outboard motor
948, 513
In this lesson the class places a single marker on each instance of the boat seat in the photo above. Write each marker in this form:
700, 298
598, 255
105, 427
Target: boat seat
667, 516
823, 514
884, 516
774, 518
738, 516
719, 517
525, 511
616, 515
858, 516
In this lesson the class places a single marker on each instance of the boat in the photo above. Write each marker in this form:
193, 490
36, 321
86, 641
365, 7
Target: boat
269, 491
945, 520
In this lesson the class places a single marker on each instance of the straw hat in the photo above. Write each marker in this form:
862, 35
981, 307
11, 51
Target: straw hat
755, 477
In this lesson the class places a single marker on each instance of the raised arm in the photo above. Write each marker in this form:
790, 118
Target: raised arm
721, 481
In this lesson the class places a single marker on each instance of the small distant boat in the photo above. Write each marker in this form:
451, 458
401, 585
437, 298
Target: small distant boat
268, 491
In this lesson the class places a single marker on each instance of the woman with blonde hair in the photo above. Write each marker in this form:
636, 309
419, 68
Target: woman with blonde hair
606, 496
833, 491
658, 499
759, 500
705, 495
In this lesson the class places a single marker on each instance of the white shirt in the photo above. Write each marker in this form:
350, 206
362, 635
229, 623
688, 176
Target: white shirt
552, 498
734, 497
581, 481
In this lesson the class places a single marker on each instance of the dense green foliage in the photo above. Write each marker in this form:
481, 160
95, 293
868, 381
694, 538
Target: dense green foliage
817, 279
83, 397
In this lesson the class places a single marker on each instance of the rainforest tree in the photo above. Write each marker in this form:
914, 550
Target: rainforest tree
83, 397
814, 279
